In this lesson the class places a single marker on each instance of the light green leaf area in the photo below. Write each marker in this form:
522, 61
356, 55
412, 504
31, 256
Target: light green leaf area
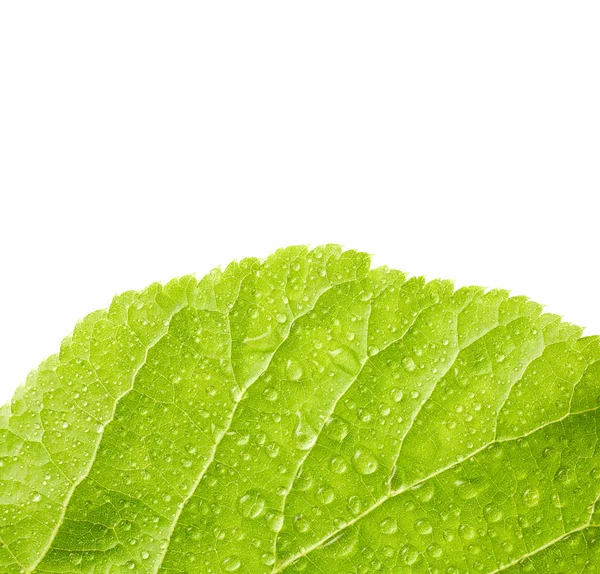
307, 414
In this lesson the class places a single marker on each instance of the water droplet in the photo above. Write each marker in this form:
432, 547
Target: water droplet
346, 543
388, 526
345, 359
270, 394
354, 505
562, 475
396, 395
364, 416
275, 521
423, 527
408, 364
36, 497
556, 501
548, 452
531, 497
326, 494
384, 410
467, 532
409, 554
251, 504
304, 482
231, 563
281, 318
366, 295
272, 449
364, 461
338, 465
301, 524
293, 371
424, 492
145, 555
305, 435
471, 488
492, 513
337, 429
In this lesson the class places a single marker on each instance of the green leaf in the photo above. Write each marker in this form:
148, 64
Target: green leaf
307, 414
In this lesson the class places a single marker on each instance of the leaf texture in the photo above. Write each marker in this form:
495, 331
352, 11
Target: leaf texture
307, 413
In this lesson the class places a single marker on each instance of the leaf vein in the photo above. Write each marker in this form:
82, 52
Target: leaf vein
417, 483
234, 410
85, 474
336, 402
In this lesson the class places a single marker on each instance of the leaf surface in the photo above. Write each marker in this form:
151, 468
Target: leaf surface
306, 413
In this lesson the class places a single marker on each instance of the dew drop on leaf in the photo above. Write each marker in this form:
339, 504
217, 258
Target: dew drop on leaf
364, 461
275, 521
305, 435
531, 497
337, 429
231, 563
409, 554
388, 526
409, 364
294, 371
270, 394
251, 504
355, 505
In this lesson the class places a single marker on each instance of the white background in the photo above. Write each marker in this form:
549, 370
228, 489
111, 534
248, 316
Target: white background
140, 141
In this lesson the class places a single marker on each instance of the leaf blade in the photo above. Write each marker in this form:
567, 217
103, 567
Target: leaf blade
306, 413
